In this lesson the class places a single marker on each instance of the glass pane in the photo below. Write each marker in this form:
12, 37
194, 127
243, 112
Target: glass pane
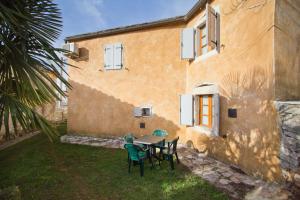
204, 50
205, 110
205, 120
203, 30
205, 100
203, 41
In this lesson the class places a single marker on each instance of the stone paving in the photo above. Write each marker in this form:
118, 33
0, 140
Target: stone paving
236, 184
17, 140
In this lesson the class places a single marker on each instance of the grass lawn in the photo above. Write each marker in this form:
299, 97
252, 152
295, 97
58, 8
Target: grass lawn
45, 170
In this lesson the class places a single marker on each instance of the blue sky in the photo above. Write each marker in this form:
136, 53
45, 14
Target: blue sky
81, 16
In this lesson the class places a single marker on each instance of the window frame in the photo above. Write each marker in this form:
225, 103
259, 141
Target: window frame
202, 28
210, 52
141, 111
210, 111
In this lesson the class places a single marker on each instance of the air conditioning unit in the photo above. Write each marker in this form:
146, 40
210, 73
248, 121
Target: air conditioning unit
72, 48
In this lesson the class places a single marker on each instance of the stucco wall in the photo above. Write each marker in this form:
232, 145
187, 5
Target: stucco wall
243, 71
101, 102
287, 50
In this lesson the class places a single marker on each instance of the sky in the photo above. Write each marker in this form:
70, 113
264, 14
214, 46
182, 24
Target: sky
82, 16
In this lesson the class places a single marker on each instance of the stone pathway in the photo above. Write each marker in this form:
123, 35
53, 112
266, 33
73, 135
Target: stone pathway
236, 184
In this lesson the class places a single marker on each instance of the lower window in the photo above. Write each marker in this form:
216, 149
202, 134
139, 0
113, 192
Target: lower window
205, 110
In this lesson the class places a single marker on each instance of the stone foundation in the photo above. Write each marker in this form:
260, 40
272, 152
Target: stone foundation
289, 124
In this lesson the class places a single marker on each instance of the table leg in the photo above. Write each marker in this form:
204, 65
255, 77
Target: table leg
150, 158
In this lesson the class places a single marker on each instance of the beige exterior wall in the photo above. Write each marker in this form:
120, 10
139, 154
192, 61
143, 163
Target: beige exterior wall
101, 102
243, 71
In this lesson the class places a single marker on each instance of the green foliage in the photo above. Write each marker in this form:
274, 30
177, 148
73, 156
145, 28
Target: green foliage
68, 171
28, 29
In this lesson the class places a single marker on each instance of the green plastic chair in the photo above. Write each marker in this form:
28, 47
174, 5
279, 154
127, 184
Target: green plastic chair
170, 152
160, 133
128, 138
136, 154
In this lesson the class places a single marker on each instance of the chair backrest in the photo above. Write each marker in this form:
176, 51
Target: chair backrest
173, 145
132, 151
159, 132
128, 138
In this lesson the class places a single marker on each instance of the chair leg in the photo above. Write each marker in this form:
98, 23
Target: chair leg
142, 167
171, 161
150, 159
177, 158
129, 165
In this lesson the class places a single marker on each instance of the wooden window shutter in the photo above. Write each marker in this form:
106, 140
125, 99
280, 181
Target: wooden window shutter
118, 56
197, 42
108, 57
187, 43
211, 24
187, 109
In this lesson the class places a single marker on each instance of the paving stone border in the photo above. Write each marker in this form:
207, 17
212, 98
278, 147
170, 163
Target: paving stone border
18, 139
222, 176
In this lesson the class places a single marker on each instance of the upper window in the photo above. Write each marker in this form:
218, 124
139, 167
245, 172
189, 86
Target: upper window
202, 40
113, 56
203, 37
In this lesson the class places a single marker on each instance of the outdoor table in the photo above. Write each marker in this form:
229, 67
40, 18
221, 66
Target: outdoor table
150, 140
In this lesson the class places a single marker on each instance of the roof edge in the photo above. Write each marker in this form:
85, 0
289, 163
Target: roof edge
135, 27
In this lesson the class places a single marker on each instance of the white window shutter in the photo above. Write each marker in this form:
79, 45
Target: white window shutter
187, 43
137, 112
211, 23
118, 56
216, 114
187, 109
108, 57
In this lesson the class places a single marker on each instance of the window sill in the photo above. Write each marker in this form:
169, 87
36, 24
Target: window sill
111, 69
204, 130
206, 56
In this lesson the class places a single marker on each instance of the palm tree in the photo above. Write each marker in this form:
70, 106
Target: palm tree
28, 29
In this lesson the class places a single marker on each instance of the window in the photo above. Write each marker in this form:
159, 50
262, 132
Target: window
113, 56
200, 110
145, 111
203, 37
205, 110
202, 40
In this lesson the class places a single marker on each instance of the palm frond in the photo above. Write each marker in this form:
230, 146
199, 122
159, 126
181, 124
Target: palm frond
28, 29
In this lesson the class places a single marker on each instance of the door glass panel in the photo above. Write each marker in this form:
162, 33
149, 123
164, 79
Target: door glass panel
205, 100
205, 120
203, 41
205, 110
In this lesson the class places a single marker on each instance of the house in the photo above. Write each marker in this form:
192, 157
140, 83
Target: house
212, 77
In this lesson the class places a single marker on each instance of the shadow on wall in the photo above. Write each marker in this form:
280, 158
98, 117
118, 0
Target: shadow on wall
84, 54
251, 140
95, 113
